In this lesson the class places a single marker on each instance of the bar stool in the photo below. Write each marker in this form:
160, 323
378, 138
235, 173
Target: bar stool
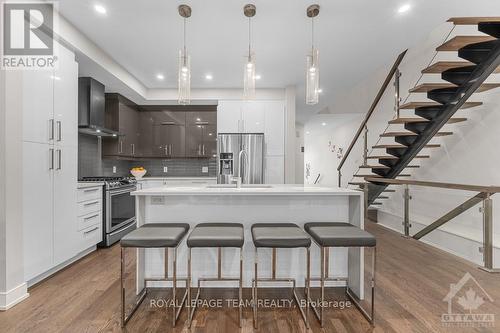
154, 235
219, 235
274, 236
333, 234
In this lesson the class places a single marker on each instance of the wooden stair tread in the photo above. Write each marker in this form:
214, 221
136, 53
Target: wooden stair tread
422, 156
356, 183
425, 87
401, 146
443, 133
375, 203
412, 166
383, 197
408, 120
441, 66
472, 20
457, 42
391, 134
383, 157
374, 167
359, 175
414, 105
389, 191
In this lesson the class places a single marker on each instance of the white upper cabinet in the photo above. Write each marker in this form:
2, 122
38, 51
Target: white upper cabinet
266, 117
275, 128
229, 117
66, 99
38, 107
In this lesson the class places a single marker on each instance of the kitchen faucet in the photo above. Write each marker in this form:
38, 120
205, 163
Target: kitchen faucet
239, 179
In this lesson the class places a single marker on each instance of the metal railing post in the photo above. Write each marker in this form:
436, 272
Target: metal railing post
340, 178
365, 195
488, 233
365, 146
397, 98
406, 216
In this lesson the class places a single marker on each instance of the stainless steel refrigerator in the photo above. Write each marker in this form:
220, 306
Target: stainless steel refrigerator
229, 147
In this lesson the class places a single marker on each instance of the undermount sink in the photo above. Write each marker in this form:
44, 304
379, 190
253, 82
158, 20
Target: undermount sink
244, 187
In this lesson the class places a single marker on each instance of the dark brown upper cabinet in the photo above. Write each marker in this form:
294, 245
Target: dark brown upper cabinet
166, 132
122, 116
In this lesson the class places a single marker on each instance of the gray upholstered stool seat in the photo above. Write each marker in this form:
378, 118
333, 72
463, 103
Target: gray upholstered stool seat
216, 235
339, 235
279, 235
155, 235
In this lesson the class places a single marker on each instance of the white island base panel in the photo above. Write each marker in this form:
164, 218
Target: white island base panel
193, 206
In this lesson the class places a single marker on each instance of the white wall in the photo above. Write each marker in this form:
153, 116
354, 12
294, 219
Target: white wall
469, 156
322, 133
13, 289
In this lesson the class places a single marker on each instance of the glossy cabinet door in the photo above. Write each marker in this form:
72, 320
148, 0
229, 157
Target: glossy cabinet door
254, 116
146, 134
209, 141
38, 106
128, 129
38, 228
229, 119
274, 129
194, 141
65, 207
66, 99
169, 134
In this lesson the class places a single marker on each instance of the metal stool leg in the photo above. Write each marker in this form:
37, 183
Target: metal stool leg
322, 249
189, 288
308, 275
374, 264
255, 324
241, 288
122, 289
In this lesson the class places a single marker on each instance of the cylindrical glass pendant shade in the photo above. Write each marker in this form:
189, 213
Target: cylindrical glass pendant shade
312, 78
249, 78
184, 78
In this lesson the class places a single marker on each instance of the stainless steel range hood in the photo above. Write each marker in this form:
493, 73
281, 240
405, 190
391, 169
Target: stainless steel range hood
91, 106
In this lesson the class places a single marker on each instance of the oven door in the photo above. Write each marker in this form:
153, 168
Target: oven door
120, 209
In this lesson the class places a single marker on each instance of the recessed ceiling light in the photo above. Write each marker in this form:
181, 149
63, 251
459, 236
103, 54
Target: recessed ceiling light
404, 8
257, 77
160, 76
323, 124
100, 9
209, 77
308, 132
320, 91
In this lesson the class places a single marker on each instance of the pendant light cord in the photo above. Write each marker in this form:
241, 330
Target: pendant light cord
249, 40
312, 35
184, 36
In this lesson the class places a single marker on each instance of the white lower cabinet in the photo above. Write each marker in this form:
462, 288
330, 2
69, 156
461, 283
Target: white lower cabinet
274, 169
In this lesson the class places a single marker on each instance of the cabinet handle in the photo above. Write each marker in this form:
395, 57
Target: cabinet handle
166, 150
51, 129
59, 156
170, 147
203, 151
51, 159
91, 230
120, 147
59, 131
91, 190
91, 203
199, 149
133, 148
90, 217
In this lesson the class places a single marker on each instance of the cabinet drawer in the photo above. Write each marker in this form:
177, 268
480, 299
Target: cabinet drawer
90, 237
89, 193
89, 220
90, 206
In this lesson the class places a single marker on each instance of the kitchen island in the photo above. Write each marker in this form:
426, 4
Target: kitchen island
247, 205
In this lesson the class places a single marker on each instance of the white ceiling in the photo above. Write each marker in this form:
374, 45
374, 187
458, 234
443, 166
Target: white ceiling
355, 38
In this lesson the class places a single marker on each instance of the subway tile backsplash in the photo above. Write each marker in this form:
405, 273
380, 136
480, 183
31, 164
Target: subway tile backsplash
90, 163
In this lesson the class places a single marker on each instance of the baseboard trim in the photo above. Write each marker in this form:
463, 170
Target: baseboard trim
13, 296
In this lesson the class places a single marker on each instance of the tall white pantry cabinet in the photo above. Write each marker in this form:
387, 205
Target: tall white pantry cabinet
50, 157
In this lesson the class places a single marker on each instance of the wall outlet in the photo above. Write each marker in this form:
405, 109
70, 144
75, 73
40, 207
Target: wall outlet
114, 168
165, 169
156, 200
204, 169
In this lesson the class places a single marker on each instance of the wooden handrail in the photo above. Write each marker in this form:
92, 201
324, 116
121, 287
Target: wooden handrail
373, 106
451, 186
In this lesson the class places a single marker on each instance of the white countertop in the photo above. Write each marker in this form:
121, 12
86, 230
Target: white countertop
89, 184
278, 189
176, 178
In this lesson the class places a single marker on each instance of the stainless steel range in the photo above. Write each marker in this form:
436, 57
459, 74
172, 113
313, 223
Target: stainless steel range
118, 207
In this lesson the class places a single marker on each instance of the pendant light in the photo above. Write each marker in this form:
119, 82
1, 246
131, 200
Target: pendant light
184, 74
249, 68
312, 60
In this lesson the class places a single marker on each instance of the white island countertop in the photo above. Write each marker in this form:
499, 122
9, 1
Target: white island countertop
261, 190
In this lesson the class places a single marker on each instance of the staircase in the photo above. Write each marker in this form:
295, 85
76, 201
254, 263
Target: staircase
461, 79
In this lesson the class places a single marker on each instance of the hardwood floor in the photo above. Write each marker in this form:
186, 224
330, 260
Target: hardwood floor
412, 280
